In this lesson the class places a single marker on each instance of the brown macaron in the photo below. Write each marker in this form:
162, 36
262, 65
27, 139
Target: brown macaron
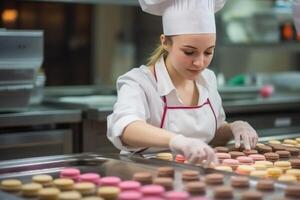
264, 149
277, 147
295, 163
283, 154
165, 172
214, 178
265, 185
223, 192
293, 151
271, 156
166, 182
196, 187
143, 177
235, 154
292, 191
239, 181
190, 175
249, 152
221, 149
251, 195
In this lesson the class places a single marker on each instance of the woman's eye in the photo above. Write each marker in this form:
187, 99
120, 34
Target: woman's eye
189, 53
208, 53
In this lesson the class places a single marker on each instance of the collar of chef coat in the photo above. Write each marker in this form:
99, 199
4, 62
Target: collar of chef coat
164, 83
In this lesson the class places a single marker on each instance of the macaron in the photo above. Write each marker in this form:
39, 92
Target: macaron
277, 147
164, 156
264, 149
222, 156
223, 192
235, 154
221, 149
11, 185
274, 172
179, 158
85, 188
165, 172
196, 187
283, 154
292, 191
166, 182
251, 195
274, 142
130, 185
176, 195
43, 179
268, 164
244, 169
293, 151
48, 193
257, 157
233, 163
214, 178
90, 177
259, 174
283, 165
271, 156
31, 189
245, 160
152, 190
190, 175
224, 168
290, 141
143, 177
249, 152
287, 178
108, 192
72, 173
294, 172
63, 183
239, 181
265, 184
110, 181
92, 198
295, 163
130, 195
259, 166
70, 195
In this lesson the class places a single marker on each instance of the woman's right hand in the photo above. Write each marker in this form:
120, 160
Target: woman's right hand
194, 150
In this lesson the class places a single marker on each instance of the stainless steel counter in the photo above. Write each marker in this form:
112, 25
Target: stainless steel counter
114, 165
40, 114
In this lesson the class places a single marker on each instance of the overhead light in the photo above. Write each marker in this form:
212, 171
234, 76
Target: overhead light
9, 15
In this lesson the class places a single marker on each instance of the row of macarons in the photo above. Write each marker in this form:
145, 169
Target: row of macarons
131, 189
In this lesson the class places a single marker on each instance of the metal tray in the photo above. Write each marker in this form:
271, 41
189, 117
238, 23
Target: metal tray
109, 165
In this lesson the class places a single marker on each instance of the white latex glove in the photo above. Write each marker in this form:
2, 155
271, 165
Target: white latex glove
243, 130
194, 150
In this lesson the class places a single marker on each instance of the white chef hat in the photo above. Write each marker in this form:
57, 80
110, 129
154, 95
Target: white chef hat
184, 16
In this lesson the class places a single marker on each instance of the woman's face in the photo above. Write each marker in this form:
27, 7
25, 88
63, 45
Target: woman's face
189, 55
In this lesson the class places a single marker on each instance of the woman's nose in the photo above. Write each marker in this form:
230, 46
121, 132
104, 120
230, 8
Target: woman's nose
199, 61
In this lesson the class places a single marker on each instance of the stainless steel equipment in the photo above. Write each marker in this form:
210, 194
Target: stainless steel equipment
113, 165
21, 54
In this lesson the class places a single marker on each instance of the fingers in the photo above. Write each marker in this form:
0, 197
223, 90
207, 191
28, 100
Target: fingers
211, 157
237, 139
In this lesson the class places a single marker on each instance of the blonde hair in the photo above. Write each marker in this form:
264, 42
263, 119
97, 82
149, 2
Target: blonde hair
158, 52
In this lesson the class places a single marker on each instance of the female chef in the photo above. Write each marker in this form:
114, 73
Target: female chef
173, 102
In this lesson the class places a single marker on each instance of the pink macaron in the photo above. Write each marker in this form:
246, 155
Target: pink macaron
110, 181
244, 160
90, 177
176, 195
233, 163
130, 185
257, 157
221, 156
153, 190
130, 195
72, 173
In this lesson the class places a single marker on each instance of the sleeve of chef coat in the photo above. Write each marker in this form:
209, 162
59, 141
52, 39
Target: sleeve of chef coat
216, 98
131, 106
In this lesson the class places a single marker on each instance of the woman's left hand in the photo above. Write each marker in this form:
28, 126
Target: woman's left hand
243, 130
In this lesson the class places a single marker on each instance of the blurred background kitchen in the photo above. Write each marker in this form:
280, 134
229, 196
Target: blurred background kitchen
82, 46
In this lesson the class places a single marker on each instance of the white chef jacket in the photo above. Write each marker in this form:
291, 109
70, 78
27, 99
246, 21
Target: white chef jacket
140, 98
